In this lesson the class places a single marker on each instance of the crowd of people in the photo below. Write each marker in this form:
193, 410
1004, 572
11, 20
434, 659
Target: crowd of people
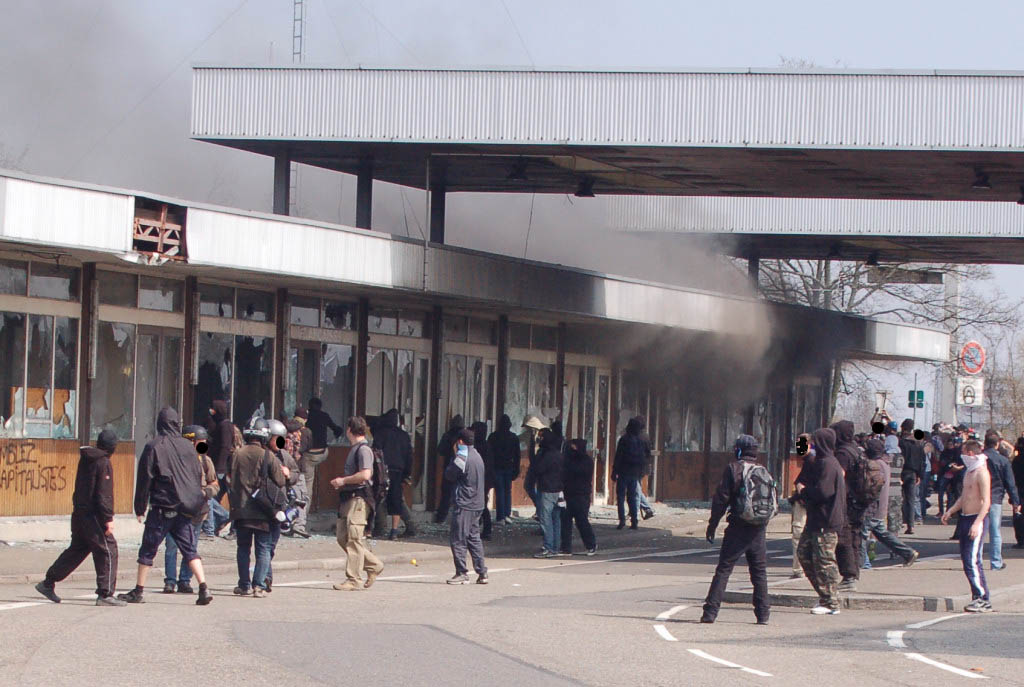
852, 491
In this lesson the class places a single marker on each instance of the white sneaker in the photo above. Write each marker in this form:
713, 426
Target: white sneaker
824, 610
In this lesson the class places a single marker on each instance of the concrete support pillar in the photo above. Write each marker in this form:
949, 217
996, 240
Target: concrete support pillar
707, 452
501, 381
754, 270
437, 201
362, 353
283, 344
190, 360
947, 383
364, 194
282, 182
432, 462
89, 333
560, 334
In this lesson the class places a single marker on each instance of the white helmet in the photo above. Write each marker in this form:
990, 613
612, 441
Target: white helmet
276, 428
257, 429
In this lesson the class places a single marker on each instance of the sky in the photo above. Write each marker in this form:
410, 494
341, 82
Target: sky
100, 91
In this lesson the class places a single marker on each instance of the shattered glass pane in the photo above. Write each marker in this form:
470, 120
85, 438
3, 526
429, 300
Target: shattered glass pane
216, 301
118, 288
53, 281
216, 365
160, 294
13, 277
40, 368
254, 369
12, 373
255, 305
113, 390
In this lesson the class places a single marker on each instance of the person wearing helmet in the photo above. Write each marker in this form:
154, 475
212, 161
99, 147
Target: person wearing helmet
175, 579
278, 434
252, 524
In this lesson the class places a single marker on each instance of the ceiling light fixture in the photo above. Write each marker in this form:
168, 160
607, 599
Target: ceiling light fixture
586, 188
981, 182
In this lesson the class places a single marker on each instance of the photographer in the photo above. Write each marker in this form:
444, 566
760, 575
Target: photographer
354, 509
252, 522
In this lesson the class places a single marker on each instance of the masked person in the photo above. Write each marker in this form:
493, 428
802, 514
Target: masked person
974, 505
545, 475
395, 444
578, 486
253, 467
874, 516
504, 447
466, 474
169, 481
825, 497
175, 579
741, 537
446, 455
627, 469
799, 515
92, 524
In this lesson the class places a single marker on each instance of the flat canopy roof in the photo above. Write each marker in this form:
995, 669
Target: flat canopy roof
768, 133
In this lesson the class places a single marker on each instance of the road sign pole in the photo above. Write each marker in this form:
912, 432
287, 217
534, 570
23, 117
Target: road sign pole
914, 417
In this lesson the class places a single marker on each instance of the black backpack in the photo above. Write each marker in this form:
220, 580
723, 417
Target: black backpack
267, 496
381, 481
864, 484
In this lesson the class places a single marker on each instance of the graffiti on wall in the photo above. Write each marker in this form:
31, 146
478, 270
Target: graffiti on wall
24, 470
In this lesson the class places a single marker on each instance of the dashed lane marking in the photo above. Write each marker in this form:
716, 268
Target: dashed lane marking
656, 554
952, 669
19, 604
895, 638
728, 664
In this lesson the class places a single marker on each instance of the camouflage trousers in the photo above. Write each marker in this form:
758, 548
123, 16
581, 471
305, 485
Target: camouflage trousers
817, 554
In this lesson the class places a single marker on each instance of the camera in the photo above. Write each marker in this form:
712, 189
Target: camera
287, 516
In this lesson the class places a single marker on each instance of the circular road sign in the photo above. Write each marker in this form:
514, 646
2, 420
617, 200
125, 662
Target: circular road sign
972, 357
969, 396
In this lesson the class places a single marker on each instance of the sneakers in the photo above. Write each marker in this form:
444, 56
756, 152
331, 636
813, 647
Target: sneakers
544, 553
592, 551
133, 597
622, 525
633, 526
913, 559
824, 610
978, 606
259, 593
762, 621
706, 620
347, 586
648, 514
268, 584
393, 535
241, 591
185, 588
169, 588
797, 574
48, 591
109, 601
300, 532
458, 578
1001, 567
371, 577
482, 578
205, 597
848, 585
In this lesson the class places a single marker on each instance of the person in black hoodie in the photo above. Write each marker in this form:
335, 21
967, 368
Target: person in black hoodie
578, 486
627, 469
848, 549
741, 537
504, 447
222, 443
545, 475
1018, 476
446, 452
912, 473
825, 497
92, 524
169, 481
395, 444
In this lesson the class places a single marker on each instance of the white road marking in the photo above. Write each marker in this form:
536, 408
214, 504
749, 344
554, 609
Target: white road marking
19, 604
728, 664
304, 583
959, 671
926, 623
659, 554
669, 613
897, 565
895, 638
665, 634
783, 556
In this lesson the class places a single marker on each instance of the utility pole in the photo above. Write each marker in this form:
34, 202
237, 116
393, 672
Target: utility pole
947, 376
298, 57
914, 416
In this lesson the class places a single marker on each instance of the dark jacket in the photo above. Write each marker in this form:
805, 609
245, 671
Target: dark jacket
913, 458
546, 469
318, 423
726, 496
847, 450
469, 481
94, 484
825, 493
170, 475
630, 453
394, 443
1003, 482
577, 472
504, 446
222, 438
1018, 468
245, 476
446, 446
480, 444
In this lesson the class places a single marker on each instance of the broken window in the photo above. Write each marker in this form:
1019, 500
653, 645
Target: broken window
159, 230
305, 311
113, 389
53, 281
216, 365
254, 369
255, 305
339, 315
13, 277
216, 301
12, 373
118, 288
160, 294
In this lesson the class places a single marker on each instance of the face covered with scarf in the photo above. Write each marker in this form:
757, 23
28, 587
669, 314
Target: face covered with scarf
973, 461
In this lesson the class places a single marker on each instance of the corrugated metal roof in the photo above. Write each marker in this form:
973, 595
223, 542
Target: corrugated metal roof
827, 109
822, 216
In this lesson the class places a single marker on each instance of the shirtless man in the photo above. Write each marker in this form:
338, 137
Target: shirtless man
973, 504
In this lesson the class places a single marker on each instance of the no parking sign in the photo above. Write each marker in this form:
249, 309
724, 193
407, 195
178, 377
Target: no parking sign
972, 357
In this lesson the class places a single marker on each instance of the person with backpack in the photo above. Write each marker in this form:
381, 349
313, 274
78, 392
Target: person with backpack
852, 462
355, 510
466, 474
396, 447
747, 493
178, 579
253, 468
876, 480
169, 482
825, 496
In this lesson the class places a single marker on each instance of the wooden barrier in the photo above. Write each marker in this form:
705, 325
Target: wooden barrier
37, 476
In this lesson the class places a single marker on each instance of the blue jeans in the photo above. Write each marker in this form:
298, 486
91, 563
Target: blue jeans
878, 528
264, 545
550, 520
641, 500
926, 483
171, 563
215, 518
503, 493
625, 494
995, 536
275, 536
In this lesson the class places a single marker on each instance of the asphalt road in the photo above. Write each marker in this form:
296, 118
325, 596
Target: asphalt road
625, 617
